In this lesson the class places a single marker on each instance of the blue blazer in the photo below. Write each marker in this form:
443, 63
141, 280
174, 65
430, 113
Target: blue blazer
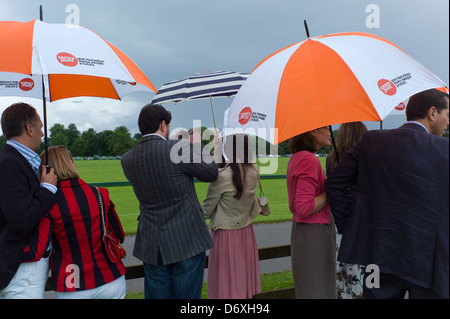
401, 180
22, 205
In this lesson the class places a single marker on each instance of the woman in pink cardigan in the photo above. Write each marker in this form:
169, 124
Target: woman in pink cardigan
313, 240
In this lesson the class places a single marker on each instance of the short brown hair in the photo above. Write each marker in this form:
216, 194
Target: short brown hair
16, 117
60, 158
420, 103
302, 142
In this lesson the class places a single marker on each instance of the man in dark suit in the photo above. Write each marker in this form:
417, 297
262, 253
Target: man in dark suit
24, 200
172, 236
401, 197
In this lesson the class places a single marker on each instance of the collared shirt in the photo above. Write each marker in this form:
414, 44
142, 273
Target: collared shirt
32, 158
156, 135
418, 123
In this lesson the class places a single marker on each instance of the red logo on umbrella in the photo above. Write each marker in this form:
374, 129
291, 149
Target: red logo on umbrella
245, 115
26, 84
400, 107
387, 87
67, 59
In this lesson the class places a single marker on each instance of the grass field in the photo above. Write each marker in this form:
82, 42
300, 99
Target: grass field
269, 282
127, 206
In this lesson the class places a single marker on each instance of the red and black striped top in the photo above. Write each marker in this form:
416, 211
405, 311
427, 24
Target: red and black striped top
77, 238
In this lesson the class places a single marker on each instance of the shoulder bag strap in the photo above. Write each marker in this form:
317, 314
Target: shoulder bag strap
259, 182
102, 212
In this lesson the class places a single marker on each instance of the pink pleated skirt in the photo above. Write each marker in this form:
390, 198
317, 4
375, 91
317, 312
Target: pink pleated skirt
233, 267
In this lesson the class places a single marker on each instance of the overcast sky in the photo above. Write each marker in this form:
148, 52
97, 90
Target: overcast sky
171, 39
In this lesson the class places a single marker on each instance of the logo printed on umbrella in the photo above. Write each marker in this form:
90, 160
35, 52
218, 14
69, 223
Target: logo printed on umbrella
245, 115
387, 87
67, 59
26, 84
400, 107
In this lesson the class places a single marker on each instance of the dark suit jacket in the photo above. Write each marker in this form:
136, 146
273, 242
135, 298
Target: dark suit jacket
22, 205
401, 195
171, 218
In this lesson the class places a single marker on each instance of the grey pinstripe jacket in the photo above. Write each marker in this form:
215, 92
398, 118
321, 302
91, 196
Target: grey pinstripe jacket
171, 218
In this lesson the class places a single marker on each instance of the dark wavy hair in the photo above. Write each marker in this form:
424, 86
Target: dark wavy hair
151, 117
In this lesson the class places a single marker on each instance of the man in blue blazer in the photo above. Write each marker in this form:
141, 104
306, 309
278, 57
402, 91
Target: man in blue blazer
24, 200
401, 200
172, 236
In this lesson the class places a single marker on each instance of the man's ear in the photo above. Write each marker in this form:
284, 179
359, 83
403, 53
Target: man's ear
163, 126
29, 129
432, 112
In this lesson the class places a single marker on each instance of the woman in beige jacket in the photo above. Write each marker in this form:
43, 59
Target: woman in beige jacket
231, 206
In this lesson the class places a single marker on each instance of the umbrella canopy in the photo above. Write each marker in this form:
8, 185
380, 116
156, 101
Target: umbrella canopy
326, 80
74, 61
203, 85
57, 61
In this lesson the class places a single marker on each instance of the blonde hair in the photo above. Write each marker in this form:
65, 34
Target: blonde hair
60, 158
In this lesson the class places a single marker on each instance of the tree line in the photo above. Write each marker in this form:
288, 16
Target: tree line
90, 142
109, 142
118, 141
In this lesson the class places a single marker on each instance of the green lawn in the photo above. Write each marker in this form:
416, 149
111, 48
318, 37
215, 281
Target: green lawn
127, 206
269, 282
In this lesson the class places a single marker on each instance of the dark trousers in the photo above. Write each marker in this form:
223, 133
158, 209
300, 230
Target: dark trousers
180, 280
393, 287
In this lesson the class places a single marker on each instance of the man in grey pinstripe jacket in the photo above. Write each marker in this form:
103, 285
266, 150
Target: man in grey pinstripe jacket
172, 236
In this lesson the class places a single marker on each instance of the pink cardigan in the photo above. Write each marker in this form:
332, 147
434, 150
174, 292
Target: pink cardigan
305, 180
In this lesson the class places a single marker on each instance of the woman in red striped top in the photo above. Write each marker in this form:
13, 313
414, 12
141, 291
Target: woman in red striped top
80, 265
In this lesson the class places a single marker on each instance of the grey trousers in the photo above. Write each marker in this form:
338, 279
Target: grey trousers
313, 258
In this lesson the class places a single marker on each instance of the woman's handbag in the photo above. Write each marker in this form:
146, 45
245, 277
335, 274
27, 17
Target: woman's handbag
262, 200
113, 246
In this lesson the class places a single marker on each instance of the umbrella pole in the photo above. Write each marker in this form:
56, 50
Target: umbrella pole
306, 28
44, 102
212, 110
334, 143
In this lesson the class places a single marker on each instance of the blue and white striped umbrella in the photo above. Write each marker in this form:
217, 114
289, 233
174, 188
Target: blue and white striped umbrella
204, 85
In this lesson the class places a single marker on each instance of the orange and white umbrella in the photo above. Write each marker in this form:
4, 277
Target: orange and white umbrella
326, 80
58, 61
74, 61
